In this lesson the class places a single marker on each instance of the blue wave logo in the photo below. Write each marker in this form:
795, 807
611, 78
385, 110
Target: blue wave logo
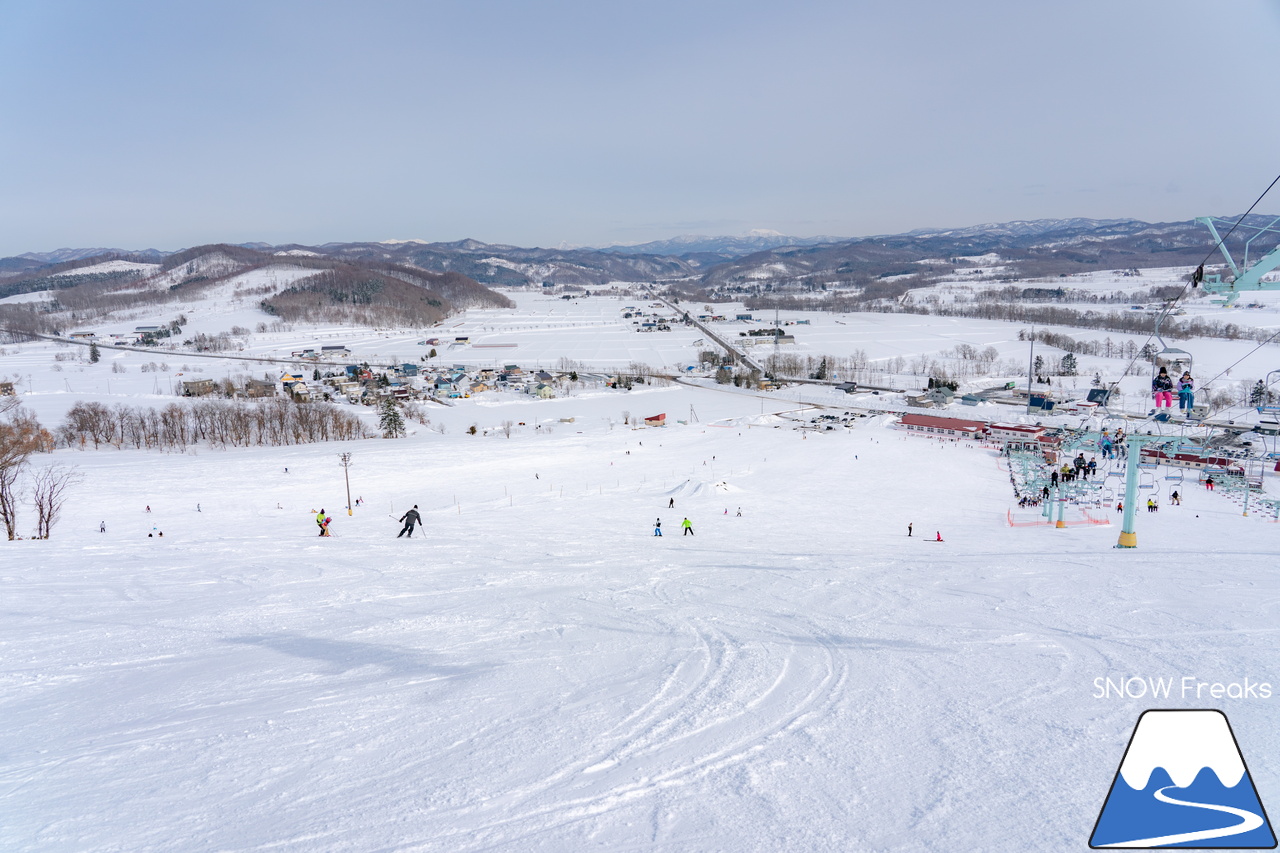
1183, 783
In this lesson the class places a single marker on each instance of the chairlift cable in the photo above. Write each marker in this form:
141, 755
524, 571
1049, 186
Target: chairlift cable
1174, 302
1233, 364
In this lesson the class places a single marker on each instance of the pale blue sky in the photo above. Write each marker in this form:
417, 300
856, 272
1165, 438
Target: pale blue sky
169, 124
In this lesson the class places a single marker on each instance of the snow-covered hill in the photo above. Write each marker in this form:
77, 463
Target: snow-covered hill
535, 669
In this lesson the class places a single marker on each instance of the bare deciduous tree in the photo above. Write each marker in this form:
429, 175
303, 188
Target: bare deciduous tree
20, 436
49, 492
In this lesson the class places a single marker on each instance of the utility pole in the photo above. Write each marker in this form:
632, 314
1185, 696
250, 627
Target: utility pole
346, 465
1030, 366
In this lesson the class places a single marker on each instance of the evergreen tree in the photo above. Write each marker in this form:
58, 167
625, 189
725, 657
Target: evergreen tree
391, 422
1258, 396
1148, 351
1068, 367
94, 355
1039, 363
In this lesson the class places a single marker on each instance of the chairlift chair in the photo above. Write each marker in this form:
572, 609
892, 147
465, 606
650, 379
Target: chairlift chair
1173, 357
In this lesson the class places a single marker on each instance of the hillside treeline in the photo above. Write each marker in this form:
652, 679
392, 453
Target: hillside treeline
360, 292
1131, 322
353, 295
1128, 322
217, 423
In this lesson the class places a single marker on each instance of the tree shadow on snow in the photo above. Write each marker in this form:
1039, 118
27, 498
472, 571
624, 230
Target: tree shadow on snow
342, 656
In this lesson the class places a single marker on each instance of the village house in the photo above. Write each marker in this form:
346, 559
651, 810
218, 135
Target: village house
259, 388
197, 387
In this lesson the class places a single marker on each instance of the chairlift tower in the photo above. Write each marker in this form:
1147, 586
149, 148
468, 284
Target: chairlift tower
1134, 466
1134, 445
1244, 276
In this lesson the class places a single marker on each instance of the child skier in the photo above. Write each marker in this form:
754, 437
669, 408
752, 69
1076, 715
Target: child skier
1162, 389
657, 527
322, 521
1186, 392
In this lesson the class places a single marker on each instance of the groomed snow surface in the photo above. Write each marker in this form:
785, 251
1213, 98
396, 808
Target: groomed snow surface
535, 671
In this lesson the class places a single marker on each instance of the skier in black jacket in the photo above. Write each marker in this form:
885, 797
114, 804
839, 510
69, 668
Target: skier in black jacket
410, 518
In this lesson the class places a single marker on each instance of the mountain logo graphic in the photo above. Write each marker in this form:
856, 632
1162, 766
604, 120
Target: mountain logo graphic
1183, 783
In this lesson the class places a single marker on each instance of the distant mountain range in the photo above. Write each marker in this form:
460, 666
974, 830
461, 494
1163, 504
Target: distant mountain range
58, 256
728, 247
759, 259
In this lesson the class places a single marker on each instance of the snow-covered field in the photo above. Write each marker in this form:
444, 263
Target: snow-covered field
535, 670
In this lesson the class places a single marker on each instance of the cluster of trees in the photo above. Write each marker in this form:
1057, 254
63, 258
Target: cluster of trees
221, 342
1112, 321
1015, 293
20, 322
219, 423
21, 437
740, 378
360, 296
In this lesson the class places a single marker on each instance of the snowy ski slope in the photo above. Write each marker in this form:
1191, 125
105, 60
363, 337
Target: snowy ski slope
534, 670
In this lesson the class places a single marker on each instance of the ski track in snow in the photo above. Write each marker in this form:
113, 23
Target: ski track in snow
537, 672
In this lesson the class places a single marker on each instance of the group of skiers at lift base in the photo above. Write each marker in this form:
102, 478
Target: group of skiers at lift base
1163, 386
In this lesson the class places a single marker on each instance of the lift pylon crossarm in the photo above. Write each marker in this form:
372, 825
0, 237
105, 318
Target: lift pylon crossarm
1244, 276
